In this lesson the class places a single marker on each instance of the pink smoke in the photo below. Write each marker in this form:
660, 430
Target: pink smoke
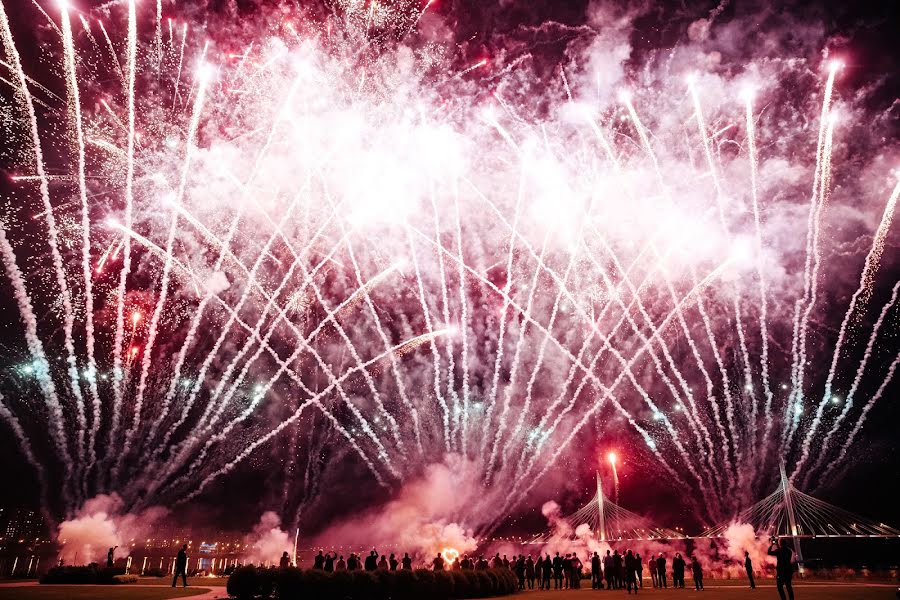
99, 525
418, 521
268, 541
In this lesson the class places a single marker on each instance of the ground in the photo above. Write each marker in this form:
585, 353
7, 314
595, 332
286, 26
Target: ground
210, 588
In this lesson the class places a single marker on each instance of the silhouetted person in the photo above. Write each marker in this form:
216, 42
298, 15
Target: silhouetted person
697, 572
784, 568
497, 562
609, 569
618, 571
678, 566
639, 570
393, 562
181, 566
576, 571
630, 569
651, 565
748, 566
438, 563
567, 570
596, 572
546, 570
371, 563
340, 565
329, 562
352, 562
319, 561
407, 562
285, 561
557, 572
530, 572
661, 571
465, 564
109, 558
520, 571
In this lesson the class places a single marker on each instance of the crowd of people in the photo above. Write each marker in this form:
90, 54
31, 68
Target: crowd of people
614, 571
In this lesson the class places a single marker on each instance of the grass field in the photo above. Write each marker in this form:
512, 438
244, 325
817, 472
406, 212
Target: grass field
727, 591
96, 592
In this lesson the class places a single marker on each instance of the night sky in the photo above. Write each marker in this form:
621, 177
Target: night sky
863, 34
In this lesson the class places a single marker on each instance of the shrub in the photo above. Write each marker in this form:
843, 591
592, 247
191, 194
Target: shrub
249, 583
92, 574
125, 578
243, 583
405, 583
443, 585
154, 572
265, 582
473, 584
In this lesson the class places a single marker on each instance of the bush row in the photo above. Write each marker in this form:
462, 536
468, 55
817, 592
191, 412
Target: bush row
91, 574
246, 583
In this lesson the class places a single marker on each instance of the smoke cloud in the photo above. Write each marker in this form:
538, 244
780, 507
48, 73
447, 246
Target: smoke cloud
101, 524
268, 541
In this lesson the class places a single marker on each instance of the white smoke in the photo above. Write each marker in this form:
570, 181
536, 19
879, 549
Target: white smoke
268, 541
101, 524
416, 521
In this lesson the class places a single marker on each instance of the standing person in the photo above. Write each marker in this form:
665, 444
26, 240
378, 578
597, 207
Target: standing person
546, 570
285, 561
576, 571
639, 568
661, 571
530, 571
748, 566
382, 563
519, 568
630, 570
697, 572
181, 566
438, 563
505, 562
406, 562
651, 565
329, 561
340, 565
784, 568
557, 572
319, 561
618, 572
110, 560
608, 568
393, 562
567, 570
371, 563
596, 572
678, 565
539, 571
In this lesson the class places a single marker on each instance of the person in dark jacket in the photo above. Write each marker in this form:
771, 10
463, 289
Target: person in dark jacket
651, 564
557, 572
546, 571
407, 562
371, 563
596, 572
678, 566
285, 561
438, 563
319, 561
530, 571
110, 560
639, 570
567, 571
181, 566
748, 566
630, 570
784, 568
393, 562
661, 571
519, 568
609, 569
697, 572
618, 570
329, 562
